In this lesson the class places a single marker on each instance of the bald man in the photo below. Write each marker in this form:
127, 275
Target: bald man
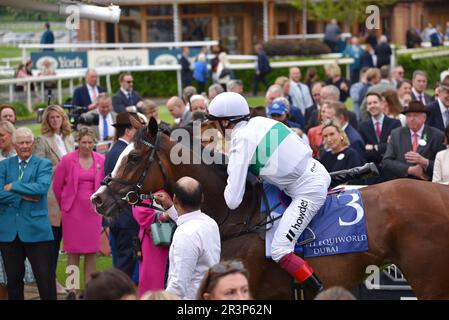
179, 111
85, 96
196, 242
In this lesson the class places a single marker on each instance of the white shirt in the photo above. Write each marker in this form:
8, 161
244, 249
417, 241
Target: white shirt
285, 165
60, 144
419, 133
418, 96
93, 92
195, 248
111, 129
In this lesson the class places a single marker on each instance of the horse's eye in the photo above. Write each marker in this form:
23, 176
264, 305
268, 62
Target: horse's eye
133, 158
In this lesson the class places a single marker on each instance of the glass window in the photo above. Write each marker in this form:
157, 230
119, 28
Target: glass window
197, 8
161, 10
196, 29
230, 31
129, 31
236, 8
160, 31
130, 11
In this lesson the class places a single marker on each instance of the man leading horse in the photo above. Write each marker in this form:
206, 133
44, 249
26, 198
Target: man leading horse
278, 156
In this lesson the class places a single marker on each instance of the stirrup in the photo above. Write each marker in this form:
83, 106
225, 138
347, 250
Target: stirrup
313, 285
309, 240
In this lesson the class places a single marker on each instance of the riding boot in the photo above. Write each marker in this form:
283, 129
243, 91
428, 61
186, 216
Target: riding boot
342, 176
302, 272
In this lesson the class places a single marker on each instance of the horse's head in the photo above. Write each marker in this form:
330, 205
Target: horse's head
139, 171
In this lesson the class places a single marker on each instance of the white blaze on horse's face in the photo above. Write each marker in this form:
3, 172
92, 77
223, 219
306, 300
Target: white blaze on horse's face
124, 153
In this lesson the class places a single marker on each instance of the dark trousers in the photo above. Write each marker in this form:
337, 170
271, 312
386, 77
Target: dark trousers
201, 86
57, 234
40, 256
258, 78
124, 240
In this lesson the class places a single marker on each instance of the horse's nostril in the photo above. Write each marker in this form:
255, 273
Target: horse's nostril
97, 201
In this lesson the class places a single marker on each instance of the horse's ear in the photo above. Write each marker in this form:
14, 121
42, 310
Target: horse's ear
152, 127
135, 123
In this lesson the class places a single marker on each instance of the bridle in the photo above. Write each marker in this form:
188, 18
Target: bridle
135, 196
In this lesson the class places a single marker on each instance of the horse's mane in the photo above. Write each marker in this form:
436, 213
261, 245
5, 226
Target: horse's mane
220, 169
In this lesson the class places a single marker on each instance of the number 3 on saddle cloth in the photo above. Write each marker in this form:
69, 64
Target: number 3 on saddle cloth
338, 227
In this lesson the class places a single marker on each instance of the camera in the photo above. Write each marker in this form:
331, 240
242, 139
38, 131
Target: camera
78, 115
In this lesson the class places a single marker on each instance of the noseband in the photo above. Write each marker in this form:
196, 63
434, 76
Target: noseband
135, 196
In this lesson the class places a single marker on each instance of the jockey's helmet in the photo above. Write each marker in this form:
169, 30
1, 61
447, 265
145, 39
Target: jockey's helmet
228, 106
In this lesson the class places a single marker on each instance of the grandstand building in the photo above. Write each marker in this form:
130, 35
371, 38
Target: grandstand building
241, 24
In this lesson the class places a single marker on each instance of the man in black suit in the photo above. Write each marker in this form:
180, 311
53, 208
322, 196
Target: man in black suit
419, 86
331, 93
376, 131
85, 96
439, 109
126, 99
186, 71
412, 149
263, 68
124, 228
311, 114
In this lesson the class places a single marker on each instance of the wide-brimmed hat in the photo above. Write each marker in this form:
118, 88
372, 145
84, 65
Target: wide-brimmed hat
123, 119
415, 106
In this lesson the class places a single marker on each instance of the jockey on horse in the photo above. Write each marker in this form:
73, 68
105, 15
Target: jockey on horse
273, 152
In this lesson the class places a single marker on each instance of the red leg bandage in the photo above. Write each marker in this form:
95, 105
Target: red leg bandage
296, 267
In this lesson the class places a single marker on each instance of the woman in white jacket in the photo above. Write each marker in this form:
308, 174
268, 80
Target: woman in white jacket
441, 165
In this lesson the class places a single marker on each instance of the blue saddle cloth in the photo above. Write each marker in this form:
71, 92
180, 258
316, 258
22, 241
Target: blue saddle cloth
339, 226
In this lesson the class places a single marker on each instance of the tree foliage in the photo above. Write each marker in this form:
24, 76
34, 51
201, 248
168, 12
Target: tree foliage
10, 14
349, 11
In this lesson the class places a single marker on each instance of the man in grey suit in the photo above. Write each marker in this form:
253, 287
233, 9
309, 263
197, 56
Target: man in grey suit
412, 149
104, 129
179, 111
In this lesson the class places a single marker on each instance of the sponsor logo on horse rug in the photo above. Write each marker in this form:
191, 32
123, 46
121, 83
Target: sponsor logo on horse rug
338, 227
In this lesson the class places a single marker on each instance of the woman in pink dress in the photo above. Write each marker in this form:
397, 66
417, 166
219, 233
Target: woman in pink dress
154, 258
76, 178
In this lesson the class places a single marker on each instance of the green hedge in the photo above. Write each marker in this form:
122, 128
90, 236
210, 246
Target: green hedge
163, 83
433, 67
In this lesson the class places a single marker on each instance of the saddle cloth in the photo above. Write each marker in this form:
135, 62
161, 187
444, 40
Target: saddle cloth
339, 226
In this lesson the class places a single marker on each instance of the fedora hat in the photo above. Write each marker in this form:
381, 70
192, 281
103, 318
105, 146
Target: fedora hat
415, 106
123, 119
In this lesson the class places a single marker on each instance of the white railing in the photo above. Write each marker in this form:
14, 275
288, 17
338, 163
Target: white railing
344, 35
78, 74
122, 45
107, 72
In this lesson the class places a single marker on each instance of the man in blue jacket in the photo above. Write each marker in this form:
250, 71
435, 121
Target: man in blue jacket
25, 230
47, 37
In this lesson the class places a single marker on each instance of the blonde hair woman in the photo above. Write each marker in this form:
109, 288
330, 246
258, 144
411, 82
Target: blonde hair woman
340, 154
54, 143
333, 72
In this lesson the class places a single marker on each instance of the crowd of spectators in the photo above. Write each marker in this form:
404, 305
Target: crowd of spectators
396, 123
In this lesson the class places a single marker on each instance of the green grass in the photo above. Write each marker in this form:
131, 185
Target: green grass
103, 263
10, 52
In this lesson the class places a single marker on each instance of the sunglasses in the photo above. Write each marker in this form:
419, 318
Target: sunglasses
227, 266
130, 81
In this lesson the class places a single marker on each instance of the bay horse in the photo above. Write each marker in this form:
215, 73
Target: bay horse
407, 221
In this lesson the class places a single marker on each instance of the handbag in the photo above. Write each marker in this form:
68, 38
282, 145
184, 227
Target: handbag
161, 232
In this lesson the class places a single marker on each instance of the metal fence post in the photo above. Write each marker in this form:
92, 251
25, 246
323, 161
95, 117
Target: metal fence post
178, 80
